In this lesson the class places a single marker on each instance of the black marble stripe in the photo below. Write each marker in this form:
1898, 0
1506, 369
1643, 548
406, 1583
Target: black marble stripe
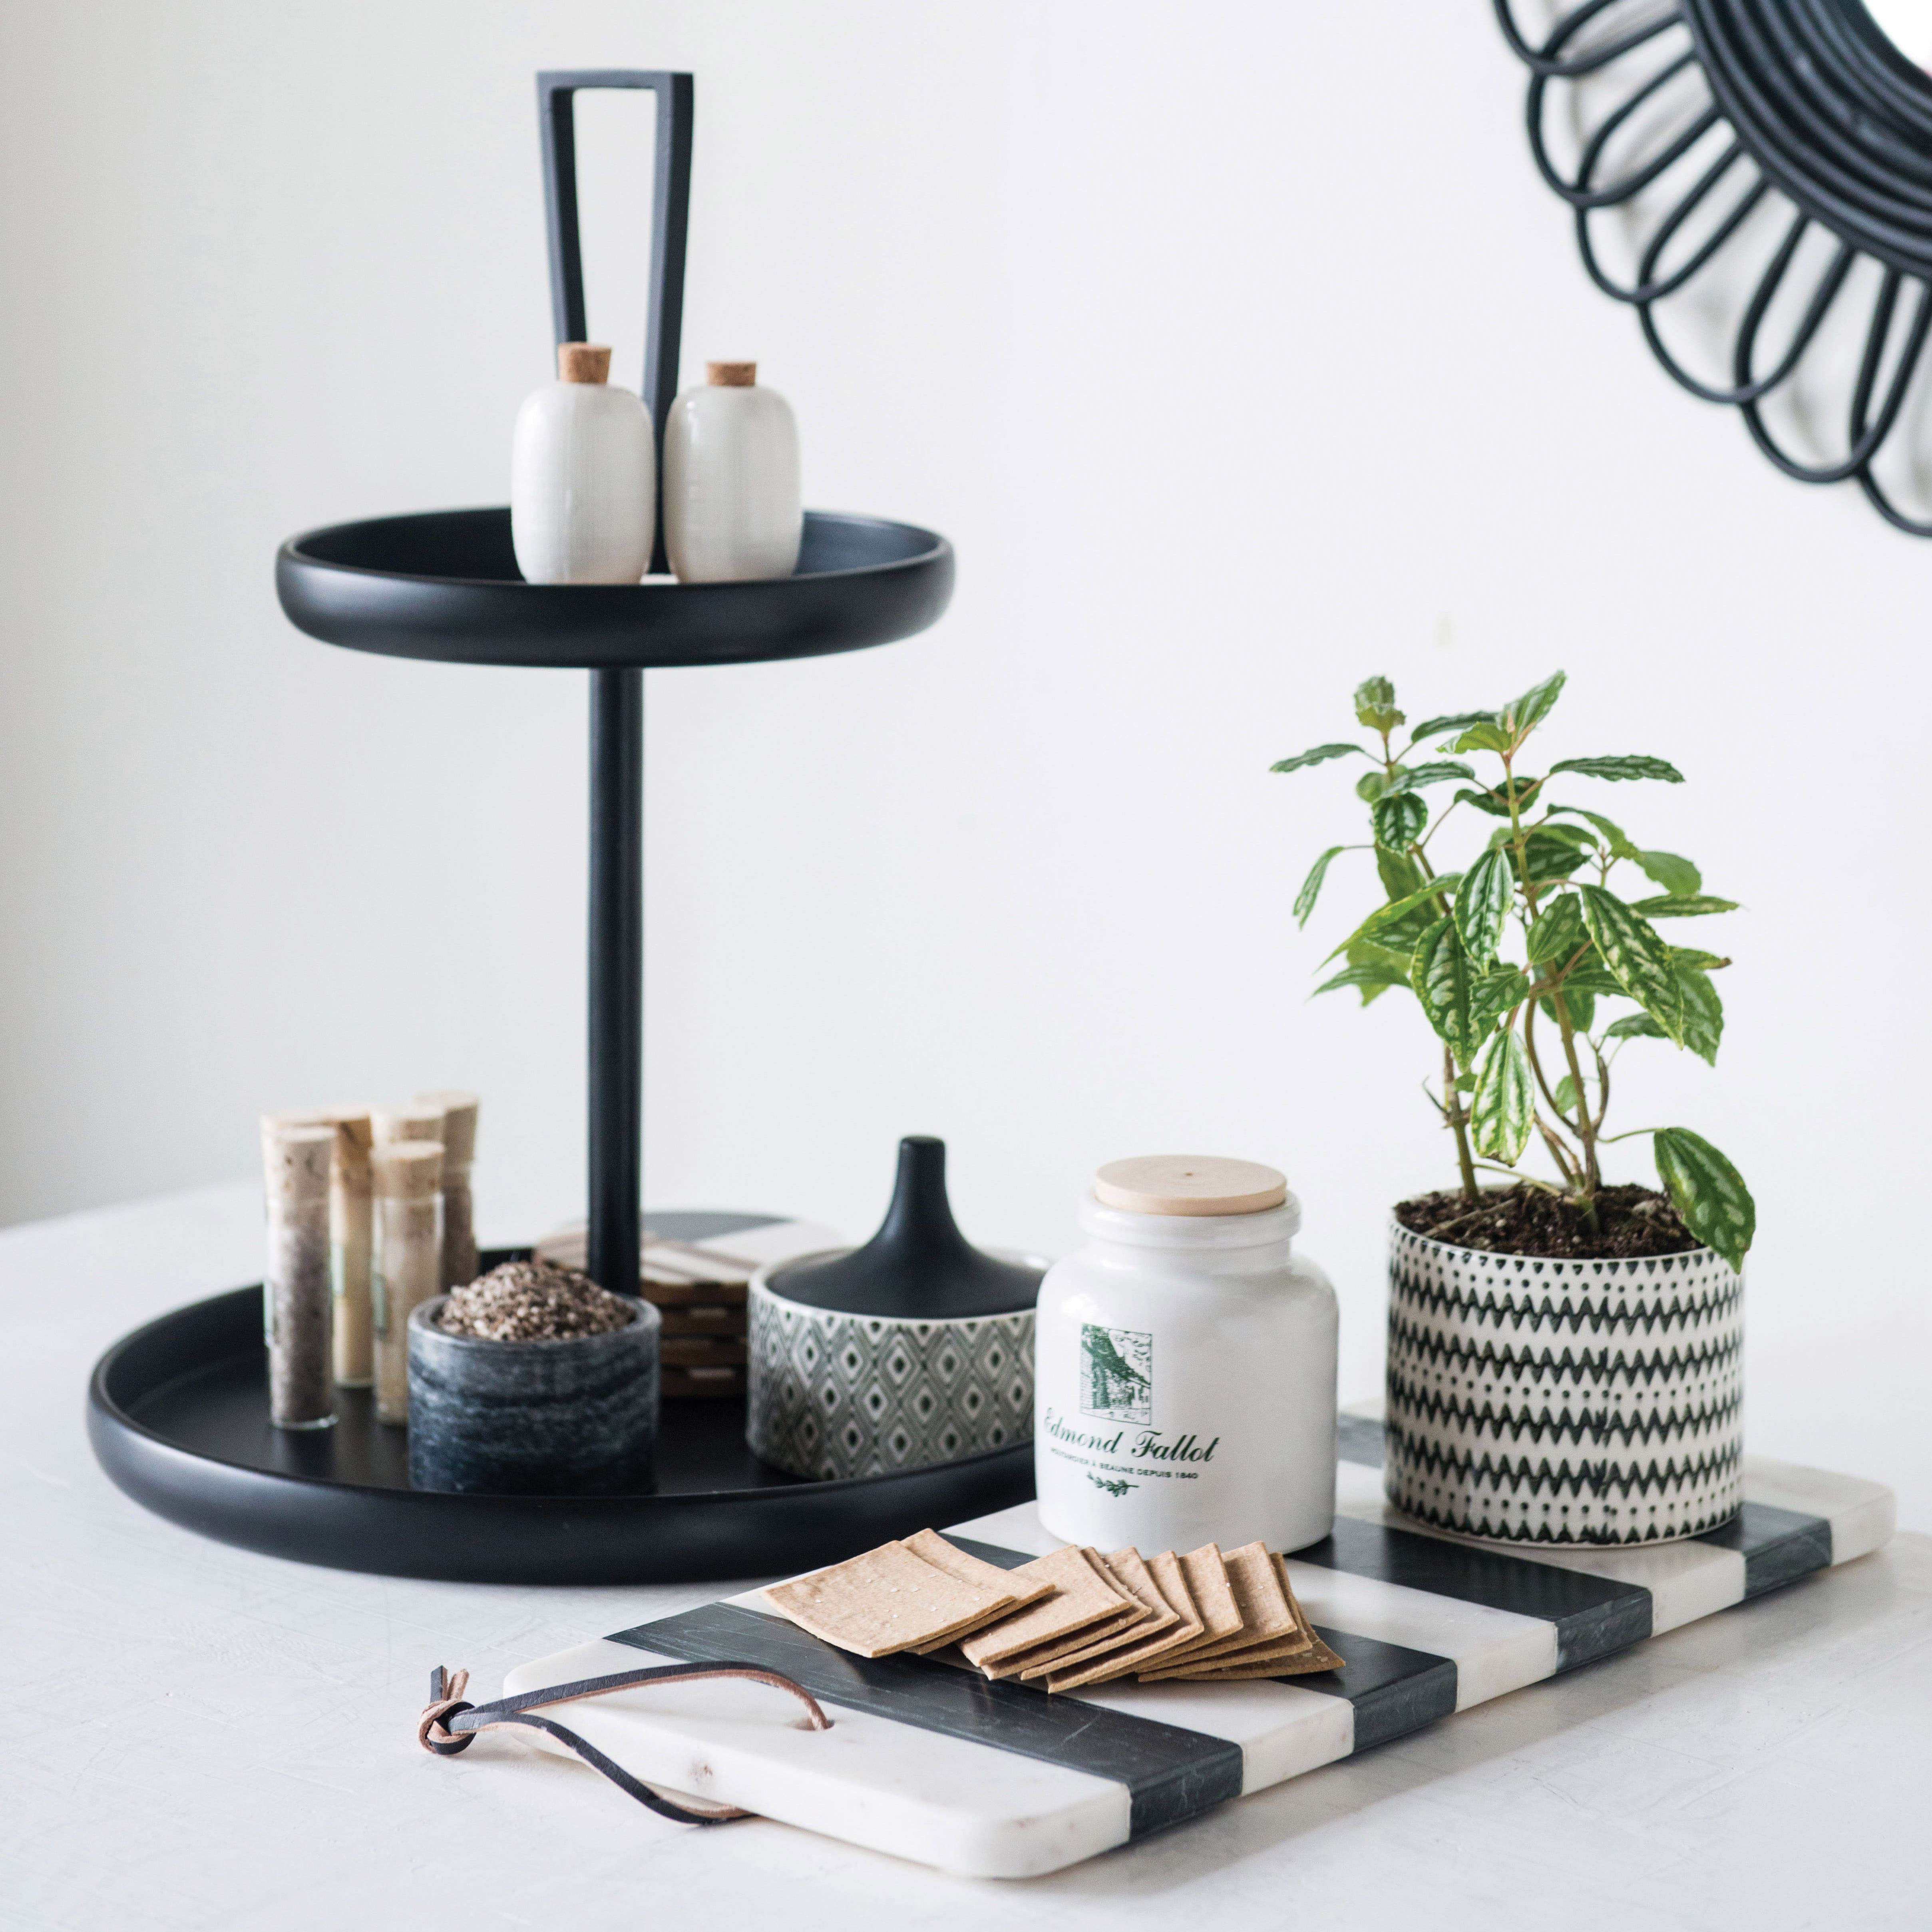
1394, 1690
1358, 1438
1170, 1774
1778, 1546
991, 1552
1595, 1617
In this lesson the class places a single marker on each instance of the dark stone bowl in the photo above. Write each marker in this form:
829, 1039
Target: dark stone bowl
575, 1418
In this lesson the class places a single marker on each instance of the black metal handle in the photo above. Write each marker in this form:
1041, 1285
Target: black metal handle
671, 222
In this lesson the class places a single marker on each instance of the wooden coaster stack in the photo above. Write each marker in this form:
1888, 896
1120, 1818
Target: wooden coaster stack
700, 1296
1066, 1620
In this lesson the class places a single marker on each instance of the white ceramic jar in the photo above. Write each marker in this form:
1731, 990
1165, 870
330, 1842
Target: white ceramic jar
1186, 1366
732, 498
583, 477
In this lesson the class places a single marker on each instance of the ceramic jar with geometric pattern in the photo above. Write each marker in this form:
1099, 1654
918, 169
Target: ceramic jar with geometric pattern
834, 1395
916, 1349
1564, 1401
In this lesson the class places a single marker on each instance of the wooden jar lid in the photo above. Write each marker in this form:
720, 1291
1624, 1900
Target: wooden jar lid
1182, 1183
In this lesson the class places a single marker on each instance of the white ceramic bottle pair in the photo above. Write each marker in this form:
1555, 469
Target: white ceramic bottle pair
584, 482
1185, 1366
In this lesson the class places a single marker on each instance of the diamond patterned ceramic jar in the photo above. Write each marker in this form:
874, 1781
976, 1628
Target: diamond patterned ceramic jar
834, 1395
1579, 1401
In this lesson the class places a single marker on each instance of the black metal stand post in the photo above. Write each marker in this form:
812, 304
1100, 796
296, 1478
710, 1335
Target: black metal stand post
615, 1070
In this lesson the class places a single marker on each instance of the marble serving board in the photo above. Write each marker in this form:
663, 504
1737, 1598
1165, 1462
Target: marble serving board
931, 1762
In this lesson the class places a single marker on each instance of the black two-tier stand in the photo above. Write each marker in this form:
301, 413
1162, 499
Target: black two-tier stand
178, 1410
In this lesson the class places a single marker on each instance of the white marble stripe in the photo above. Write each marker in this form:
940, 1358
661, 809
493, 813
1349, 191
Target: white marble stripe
1862, 1514
966, 1807
1686, 1580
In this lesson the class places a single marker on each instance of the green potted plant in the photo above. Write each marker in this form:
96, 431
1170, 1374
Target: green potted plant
1564, 1350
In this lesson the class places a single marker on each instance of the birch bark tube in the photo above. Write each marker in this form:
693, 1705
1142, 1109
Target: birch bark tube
459, 1208
296, 1296
407, 1261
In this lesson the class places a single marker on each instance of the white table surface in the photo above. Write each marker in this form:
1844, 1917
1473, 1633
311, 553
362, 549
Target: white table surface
201, 1738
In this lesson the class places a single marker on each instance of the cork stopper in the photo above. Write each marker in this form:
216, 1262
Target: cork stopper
732, 375
408, 1170
459, 1124
1179, 1183
295, 1161
583, 362
420, 1120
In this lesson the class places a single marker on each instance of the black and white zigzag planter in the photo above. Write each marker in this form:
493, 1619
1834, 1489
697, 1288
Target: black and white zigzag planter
1564, 1401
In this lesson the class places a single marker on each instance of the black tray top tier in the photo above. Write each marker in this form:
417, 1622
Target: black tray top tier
445, 585
919, 1267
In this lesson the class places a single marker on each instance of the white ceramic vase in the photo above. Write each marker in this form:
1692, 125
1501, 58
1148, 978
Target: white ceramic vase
732, 499
1186, 1376
1564, 1401
583, 477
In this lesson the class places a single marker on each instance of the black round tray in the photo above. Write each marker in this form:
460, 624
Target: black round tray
177, 1413
445, 585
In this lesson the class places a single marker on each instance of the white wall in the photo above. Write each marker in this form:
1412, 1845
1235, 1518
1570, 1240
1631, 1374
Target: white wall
1241, 353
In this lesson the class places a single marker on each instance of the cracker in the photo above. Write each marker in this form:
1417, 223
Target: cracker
1296, 1663
1129, 1653
886, 1601
1080, 1600
1260, 1597
1128, 1573
1207, 1579
931, 1547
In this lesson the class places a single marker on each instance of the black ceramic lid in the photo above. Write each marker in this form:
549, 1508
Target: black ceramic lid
919, 1267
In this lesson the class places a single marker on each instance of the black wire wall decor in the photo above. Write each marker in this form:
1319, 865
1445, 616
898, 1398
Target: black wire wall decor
1769, 165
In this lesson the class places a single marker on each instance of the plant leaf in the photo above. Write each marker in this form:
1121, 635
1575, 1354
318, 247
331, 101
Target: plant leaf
1436, 773
1579, 1002
1372, 952
1673, 905
1557, 934
1704, 962
1566, 1095
1311, 886
1635, 766
1375, 704
1703, 1012
1400, 875
1523, 715
1315, 756
1372, 785
1678, 877
1489, 890
1547, 855
1373, 982
1399, 818
1620, 846
1487, 736
1439, 972
1456, 720
1379, 923
1710, 1193
1638, 961
1588, 975
1496, 802
1635, 1026
1494, 994
1505, 1102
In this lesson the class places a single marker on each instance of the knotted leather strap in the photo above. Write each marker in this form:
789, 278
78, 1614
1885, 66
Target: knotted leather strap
448, 1725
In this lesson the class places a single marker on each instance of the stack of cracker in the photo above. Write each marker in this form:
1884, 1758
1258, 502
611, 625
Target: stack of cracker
700, 1296
1067, 1620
